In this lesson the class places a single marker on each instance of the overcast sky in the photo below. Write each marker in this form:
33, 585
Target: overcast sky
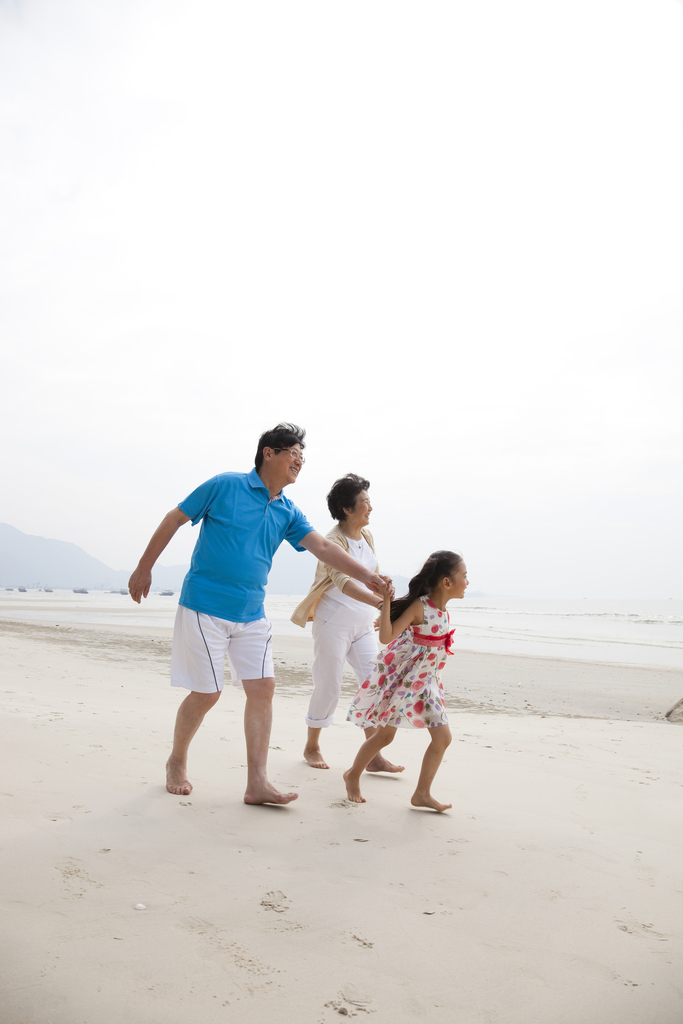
445, 238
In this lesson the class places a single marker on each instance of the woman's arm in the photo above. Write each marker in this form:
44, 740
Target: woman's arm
332, 554
358, 593
389, 630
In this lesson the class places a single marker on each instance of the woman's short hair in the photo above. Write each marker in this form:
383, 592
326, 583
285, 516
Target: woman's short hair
344, 494
284, 435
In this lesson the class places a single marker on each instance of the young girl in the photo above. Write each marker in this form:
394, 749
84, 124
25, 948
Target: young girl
404, 687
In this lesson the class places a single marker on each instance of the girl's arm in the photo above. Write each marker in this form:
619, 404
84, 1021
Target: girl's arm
389, 630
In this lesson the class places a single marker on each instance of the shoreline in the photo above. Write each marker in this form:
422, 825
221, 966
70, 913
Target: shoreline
153, 630
641, 634
474, 681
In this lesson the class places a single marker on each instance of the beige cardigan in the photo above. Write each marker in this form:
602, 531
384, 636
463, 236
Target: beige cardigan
325, 576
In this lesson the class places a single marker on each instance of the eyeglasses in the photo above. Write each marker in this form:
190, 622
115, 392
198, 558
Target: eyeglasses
294, 455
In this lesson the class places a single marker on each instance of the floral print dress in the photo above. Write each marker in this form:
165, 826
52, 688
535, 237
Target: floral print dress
404, 687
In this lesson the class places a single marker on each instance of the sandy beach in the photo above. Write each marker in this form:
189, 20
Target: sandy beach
550, 893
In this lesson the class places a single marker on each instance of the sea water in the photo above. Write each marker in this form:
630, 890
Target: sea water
629, 632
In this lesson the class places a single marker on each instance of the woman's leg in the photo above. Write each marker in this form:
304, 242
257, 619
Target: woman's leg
440, 739
382, 737
329, 651
312, 752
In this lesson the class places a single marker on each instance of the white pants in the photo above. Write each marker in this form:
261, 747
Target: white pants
332, 646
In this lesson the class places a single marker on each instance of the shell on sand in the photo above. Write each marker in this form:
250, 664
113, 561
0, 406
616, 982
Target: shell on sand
675, 714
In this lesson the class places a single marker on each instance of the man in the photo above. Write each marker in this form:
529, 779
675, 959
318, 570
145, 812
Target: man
245, 517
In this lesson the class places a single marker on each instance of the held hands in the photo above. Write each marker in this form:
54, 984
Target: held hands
381, 585
387, 592
139, 584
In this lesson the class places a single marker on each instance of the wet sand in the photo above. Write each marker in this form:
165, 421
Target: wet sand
548, 893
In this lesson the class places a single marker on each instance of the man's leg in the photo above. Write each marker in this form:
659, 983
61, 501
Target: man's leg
258, 718
190, 716
197, 656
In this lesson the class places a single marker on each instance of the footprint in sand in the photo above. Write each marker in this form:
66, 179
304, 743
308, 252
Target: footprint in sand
351, 1001
636, 928
76, 880
276, 901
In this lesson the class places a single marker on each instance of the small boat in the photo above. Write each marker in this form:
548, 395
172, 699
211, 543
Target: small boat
9, 588
80, 590
48, 590
123, 592
22, 590
166, 593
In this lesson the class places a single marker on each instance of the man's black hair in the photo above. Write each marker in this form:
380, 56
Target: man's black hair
284, 435
344, 494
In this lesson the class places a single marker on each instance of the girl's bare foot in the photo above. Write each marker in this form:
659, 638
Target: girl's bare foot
264, 793
315, 758
176, 780
353, 789
427, 800
380, 764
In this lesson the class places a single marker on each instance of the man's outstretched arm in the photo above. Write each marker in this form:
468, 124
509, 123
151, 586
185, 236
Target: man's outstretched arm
141, 580
334, 555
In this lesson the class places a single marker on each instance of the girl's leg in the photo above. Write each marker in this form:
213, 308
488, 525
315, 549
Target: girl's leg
382, 737
361, 654
440, 737
378, 762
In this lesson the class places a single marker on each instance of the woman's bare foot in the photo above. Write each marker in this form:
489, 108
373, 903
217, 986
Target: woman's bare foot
353, 789
315, 758
427, 800
176, 779
380, 764
267, 794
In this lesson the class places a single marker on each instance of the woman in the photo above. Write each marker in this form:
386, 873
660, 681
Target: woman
343, 612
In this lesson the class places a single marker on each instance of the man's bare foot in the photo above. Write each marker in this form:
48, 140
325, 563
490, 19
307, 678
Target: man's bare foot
380, 764
315, 758
176, 780
353, 789
427, 800
264, 793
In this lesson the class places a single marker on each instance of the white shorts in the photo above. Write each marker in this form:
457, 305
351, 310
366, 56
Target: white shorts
333, 645
201, 642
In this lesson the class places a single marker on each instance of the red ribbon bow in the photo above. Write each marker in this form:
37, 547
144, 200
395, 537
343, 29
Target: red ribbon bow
444, 640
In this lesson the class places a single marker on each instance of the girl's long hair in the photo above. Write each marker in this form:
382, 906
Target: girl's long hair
438, 565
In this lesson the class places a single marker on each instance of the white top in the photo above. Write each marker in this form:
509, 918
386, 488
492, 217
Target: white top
334, 606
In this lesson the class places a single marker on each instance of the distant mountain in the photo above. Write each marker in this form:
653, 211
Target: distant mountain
29, 561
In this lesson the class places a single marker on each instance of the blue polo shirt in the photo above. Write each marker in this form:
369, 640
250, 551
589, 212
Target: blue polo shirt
241, 530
